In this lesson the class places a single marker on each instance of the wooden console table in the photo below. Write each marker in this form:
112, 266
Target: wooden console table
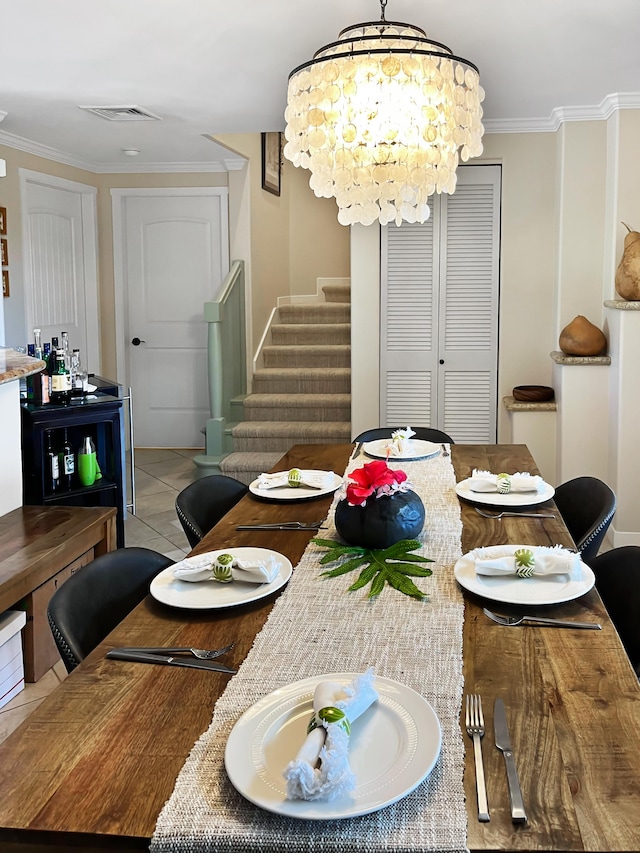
40, 547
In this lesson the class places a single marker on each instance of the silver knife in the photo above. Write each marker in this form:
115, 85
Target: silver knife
168, 660
503, 742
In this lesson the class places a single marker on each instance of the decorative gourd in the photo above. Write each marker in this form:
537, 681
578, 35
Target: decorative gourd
628, 272
581, 337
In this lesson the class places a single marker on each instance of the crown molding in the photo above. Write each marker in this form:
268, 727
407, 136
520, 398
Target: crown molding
230, 164
610, 104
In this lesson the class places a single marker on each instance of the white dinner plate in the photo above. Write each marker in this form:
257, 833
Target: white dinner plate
210, 595
544, 493
509, 589
393, 747
418, 449
300, 493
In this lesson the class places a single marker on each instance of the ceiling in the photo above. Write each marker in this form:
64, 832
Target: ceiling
209, 67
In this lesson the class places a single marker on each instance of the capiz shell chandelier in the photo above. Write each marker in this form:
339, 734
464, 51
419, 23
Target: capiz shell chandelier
380, 118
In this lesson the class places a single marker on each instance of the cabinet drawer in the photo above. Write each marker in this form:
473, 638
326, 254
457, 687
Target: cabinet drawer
40, 651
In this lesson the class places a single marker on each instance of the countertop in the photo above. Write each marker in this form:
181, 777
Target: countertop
15, 365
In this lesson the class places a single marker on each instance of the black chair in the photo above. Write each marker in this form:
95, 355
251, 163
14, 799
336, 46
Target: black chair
201, 505
97, 597
618, 582
421, 433
587, 506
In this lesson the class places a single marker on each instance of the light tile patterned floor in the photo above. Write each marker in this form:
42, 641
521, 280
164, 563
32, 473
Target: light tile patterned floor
159, 476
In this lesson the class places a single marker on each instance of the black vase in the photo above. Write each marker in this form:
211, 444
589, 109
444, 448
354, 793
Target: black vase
381, 522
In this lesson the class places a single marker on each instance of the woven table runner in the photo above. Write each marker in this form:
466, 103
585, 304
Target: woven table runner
317, 627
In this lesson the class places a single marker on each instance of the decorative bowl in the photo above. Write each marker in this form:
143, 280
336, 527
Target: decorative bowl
533, 393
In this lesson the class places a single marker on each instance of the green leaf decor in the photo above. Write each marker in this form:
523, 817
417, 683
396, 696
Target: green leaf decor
394, 566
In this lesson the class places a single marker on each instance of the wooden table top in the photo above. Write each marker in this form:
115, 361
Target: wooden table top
95, 763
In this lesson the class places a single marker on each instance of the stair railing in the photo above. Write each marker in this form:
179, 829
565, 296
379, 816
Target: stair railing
226, 353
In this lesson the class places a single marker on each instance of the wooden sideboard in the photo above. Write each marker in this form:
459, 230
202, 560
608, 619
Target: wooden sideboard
40, 547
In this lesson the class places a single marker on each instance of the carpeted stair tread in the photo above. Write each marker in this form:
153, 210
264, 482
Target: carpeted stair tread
315, 312
247, 466
337, 292
302, 380
286, 334
267, 436
301, 355
326, 401
298, 407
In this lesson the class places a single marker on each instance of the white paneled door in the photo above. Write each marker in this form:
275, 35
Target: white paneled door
439, 313
60, 262
174, 256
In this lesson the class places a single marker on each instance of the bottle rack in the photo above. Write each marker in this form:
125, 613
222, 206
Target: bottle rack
99, 417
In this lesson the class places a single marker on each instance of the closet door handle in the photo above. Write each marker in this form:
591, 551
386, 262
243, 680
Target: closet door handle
136, 342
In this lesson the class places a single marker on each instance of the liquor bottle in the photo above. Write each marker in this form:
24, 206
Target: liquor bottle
67, 464
53, 466
45, 379
31, 352
60, 381
66, 350
78, 375
37, 342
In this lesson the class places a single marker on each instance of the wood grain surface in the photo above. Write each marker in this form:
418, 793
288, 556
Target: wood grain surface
91, 768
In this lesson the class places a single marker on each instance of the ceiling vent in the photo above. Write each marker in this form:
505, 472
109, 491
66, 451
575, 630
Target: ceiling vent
127, 113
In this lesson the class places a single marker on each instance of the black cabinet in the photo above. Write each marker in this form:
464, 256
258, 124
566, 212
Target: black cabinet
98, 416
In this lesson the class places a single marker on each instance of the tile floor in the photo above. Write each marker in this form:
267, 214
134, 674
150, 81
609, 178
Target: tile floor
159, 476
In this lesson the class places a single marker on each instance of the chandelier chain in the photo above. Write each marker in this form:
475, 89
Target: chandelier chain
383, 6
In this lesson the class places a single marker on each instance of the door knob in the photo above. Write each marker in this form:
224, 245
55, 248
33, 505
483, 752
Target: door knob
136, 342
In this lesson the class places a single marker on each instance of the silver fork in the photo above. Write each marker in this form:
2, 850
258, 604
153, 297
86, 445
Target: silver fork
445, 452
474, 721
203, 654
498, 515
539, 620
283, 525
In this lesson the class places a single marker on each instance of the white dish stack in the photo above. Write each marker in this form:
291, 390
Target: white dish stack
11, 661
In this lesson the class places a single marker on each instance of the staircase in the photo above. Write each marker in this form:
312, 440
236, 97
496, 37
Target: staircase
302, 392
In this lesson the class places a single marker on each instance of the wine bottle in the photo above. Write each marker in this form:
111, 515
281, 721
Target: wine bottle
45, 379
53, 466
68, 460
60, 381
31, 352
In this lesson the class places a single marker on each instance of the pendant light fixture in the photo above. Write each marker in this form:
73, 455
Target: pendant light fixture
380, 118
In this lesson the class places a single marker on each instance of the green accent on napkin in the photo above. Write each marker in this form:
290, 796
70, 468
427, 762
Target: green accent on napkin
525, 562
394, 566
294, 478
329, 715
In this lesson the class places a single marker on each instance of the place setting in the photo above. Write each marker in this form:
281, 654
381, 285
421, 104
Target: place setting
222, 578
295, 485
402, 446
307, 751
504, 491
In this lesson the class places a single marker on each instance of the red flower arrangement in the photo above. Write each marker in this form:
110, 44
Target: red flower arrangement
374, 478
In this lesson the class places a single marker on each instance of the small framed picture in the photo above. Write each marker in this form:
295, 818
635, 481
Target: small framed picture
5, 283
271, 162
3, 220
4, 252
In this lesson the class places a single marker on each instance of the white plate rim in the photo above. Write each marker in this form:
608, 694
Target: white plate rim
177, 593
511, 499
369, 448
299, 494
513, 590
242, 755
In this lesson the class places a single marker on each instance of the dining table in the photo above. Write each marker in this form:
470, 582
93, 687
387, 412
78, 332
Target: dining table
93, 766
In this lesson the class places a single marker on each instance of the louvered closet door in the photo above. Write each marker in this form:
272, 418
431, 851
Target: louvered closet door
439, 307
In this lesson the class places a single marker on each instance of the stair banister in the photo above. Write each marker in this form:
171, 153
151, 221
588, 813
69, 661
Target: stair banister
226, 354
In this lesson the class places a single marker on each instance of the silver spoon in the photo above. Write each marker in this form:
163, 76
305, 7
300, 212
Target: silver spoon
552, 623
498, 515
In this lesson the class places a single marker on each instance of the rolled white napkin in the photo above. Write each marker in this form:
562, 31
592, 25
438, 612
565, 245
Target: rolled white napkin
321, 770
485, 481
206, 567
527, 562
311, 479
400, 443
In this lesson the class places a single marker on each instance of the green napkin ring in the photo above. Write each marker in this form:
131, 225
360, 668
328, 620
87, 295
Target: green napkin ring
525, 562
504, 484
329, 715
295, 478
222, 568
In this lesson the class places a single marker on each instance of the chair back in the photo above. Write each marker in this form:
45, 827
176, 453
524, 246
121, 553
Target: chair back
201, 505
95, 599
587, 506
618, 582
421, 433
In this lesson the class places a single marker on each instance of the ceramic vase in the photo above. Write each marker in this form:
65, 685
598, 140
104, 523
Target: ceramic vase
381, 522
